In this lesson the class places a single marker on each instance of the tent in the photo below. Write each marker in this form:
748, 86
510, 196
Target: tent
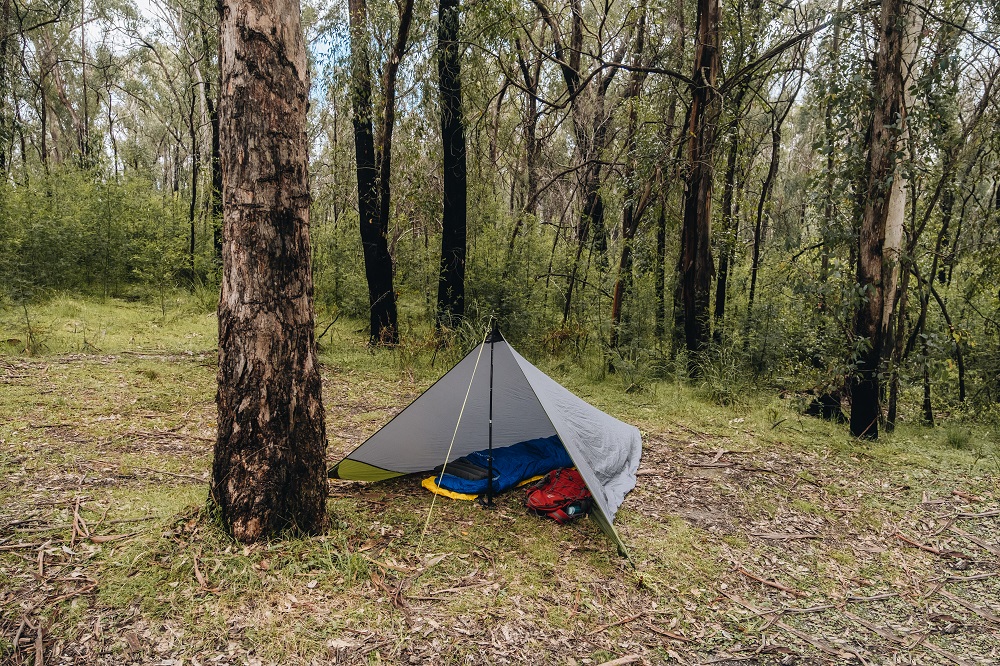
495, 398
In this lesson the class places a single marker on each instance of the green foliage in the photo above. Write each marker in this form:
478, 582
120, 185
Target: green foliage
72, 230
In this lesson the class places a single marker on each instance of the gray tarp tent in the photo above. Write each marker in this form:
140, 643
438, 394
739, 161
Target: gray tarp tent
526, 404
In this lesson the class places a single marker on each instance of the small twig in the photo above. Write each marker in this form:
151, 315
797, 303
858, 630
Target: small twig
199, 479
770, 583
605, 627
961, 601
666, 634
965, 579
878, 597
783, 536
966, 496
916, 544
39, 645
976, 540
69, 595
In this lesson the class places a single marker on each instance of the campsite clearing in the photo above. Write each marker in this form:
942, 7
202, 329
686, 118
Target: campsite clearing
758, 536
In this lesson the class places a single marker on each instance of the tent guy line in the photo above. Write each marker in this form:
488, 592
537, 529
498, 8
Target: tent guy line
451, 446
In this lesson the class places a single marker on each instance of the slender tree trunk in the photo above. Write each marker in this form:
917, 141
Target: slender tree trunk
269, 472
6, 91
378, 261
85, 125
195, 166
659, 270
531, 76
451, 281
730, 223
886, 129
213, 119
829, 207
758, 230
695, 264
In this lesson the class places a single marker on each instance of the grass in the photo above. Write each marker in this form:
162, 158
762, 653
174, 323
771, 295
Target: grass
113, 419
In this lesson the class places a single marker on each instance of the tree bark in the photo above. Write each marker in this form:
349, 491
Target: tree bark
695, 265
873, 271
269, 472
730, 223
451, 279
378, 262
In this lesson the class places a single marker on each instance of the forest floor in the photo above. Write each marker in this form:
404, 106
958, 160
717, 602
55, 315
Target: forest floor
758, 536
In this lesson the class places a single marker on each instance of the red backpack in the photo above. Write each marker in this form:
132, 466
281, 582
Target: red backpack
561, 495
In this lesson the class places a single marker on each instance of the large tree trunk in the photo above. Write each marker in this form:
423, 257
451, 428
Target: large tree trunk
269, 472
378, 262
451, 280
695, 265
873, 269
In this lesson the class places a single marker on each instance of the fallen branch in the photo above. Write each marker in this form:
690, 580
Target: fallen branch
965, 579
39, 645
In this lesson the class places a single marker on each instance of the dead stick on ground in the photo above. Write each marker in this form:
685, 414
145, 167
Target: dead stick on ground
605, 627
961, 601
70, 595
770, 583
976, 540
917, 544
39, 646
41, 559
966, 496
668, 634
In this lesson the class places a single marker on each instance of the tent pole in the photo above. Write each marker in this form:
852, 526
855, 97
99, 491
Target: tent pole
489, 482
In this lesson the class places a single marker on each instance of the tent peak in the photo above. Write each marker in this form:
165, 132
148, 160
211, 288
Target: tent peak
495, 335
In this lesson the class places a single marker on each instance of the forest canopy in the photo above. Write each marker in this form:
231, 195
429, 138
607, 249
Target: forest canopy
804, 195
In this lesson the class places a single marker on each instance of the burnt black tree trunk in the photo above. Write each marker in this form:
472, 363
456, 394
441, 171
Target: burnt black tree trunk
730, 222
378, 262
695, 266
269, 470
451, 280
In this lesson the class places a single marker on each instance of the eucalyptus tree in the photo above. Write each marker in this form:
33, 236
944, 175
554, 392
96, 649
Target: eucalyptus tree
269, 469
374, 163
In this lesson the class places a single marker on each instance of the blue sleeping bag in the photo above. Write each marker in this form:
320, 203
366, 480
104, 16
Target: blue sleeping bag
511, 465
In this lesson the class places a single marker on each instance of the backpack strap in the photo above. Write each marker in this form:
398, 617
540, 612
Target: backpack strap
559, 516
